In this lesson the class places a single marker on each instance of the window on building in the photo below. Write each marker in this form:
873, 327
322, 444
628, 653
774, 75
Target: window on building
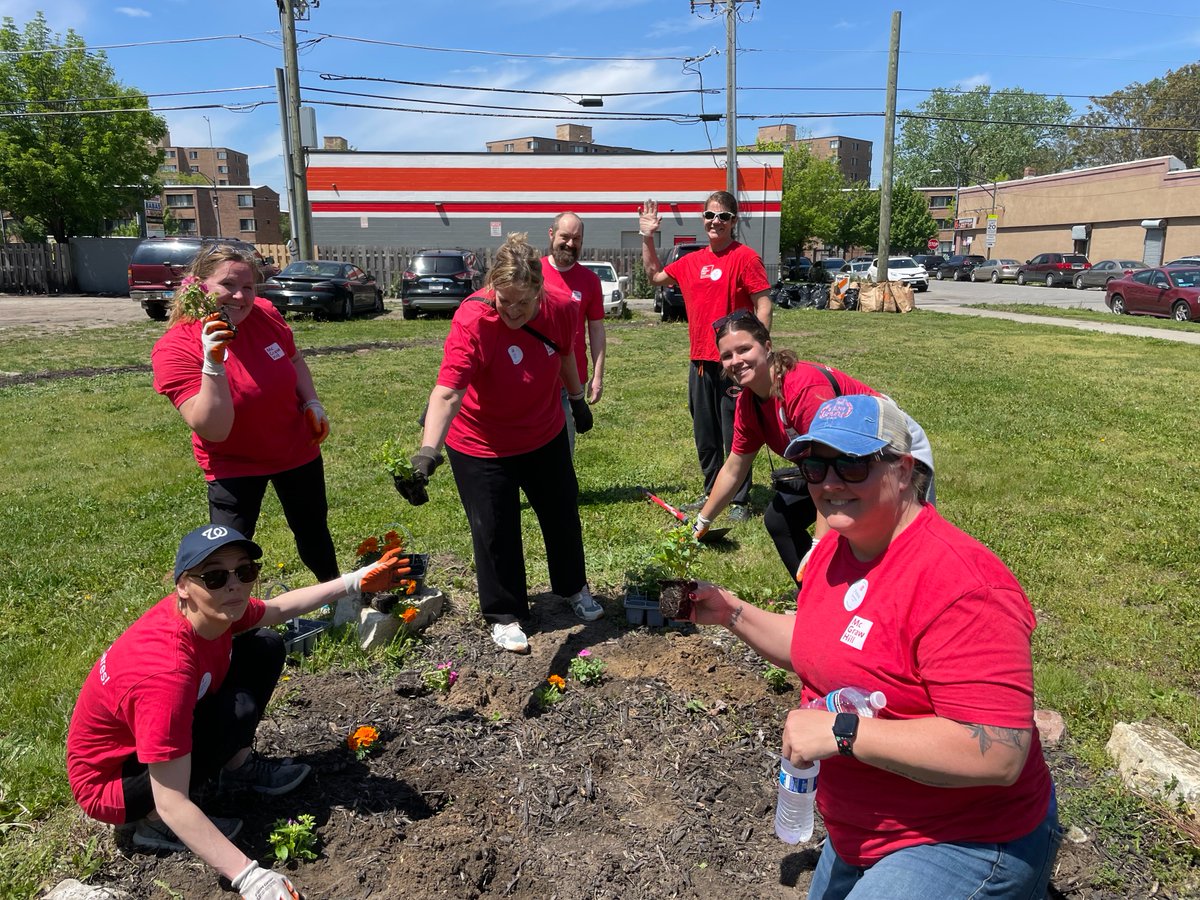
181, 201
856, 145
224, 170
245, 200
940, 200
854, 160
221, 154
222, 181
579, 148
169, 168
186, 226
509, 148
246, 225
192, 154
558, 147
169, 154
833, 145
533, 145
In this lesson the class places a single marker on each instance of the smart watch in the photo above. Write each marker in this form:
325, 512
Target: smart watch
845, 730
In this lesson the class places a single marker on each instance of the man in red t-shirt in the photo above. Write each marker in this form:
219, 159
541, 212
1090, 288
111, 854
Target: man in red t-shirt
562, 274
714, 282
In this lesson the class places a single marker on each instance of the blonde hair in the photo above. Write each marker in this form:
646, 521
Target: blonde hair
210, 257
517, 263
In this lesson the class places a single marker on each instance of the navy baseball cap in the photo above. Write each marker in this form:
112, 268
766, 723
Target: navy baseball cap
857, 425
200, 543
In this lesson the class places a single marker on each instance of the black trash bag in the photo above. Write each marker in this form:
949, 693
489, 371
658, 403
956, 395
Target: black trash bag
850, 298
802, 296
818, 295
779, 296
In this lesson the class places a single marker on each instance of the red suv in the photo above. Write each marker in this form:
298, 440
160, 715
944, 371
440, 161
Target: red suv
1052, 268
158, 264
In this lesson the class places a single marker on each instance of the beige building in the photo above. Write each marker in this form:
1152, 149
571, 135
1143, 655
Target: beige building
852, 155
568, 138
1148, 209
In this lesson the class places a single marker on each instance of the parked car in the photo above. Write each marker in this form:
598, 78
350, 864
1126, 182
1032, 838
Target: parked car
867, 259
669, 300
1052, 268
610, 285
996, 270
958, 267
858, 270
900, 268
795, 268
323, 287
831, 266
438, 281
931, 261
1170, 292
158, 265
1184, 261
1106, 270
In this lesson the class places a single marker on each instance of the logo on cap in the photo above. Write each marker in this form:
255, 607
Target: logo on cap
215, 532
840, 408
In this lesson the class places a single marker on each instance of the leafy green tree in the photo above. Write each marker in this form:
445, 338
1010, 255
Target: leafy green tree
856, 220
812, 196
1166, 102
981, 135
911, 224
69, 173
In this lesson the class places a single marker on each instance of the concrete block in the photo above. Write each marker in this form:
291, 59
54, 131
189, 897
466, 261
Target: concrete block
377, 629
77, 890
1156, 764
1050, 726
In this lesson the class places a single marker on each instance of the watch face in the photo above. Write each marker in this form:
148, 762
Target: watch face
845, 729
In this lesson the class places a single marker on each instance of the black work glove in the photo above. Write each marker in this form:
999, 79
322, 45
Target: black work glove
426, 461
582, 414
412, 488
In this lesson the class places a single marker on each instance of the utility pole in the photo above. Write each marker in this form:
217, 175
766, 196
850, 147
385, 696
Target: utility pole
301, 212
889, 134
730, 85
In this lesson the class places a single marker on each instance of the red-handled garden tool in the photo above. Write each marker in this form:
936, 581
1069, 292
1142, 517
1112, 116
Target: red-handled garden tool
713, 534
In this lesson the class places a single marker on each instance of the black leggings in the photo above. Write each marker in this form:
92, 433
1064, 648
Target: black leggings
301, 491
711, 402
224, 722
787, 518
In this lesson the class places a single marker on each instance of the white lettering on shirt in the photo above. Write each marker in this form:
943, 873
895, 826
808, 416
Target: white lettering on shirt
854, 595
856, 632
104, 668
515, 354
275, 351
205, 681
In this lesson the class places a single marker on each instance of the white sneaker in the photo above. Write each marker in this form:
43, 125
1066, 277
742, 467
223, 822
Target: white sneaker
585, 605
510, 637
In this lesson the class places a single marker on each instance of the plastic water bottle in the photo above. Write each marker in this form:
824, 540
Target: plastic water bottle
852, 700
794, 806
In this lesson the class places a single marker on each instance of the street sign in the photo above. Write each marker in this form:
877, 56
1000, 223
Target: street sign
990, 240
932, 243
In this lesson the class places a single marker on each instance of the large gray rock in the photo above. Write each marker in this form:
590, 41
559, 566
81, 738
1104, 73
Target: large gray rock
377, 629
76, 890
1155, 763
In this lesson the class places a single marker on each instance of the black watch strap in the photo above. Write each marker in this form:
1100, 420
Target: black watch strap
845, 730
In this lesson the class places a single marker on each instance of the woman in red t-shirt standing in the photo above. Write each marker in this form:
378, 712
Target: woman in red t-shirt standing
497, 410
244, 389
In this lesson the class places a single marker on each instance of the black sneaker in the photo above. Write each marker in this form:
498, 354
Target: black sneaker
698, 505
739, 512
267, 776
153, 834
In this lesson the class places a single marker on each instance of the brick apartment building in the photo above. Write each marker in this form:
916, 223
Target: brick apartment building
568, 138
852, 155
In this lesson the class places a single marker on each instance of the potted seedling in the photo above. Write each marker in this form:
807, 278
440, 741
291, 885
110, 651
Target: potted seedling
196, 301
641, 595
674, 554
373, 548
409, 483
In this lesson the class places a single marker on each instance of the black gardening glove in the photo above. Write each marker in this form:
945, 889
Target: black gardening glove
582, 414
426, 461
412, 489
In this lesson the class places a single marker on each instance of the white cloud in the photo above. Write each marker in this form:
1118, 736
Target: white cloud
60, 14
973, 81
134, 12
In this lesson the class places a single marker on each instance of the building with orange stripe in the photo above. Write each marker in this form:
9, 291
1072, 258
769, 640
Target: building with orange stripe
473, 199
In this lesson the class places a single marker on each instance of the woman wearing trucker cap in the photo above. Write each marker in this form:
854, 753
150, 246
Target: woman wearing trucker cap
174, 702
945, 793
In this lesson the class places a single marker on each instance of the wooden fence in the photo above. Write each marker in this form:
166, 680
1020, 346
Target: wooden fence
36, 269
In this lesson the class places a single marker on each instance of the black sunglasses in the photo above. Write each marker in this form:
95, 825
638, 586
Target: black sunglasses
721, 216
851, 469
735, 316
215, 579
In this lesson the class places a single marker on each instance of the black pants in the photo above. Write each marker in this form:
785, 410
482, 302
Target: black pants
301, 491
490, 491
711, 401
224, 722
787, 518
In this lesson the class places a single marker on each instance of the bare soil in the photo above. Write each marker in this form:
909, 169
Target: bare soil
655, 783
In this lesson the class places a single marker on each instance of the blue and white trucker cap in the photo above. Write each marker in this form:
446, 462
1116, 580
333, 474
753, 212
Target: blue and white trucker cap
857, 425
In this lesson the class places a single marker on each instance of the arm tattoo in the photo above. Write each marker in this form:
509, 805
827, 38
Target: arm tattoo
734, 616
987, 735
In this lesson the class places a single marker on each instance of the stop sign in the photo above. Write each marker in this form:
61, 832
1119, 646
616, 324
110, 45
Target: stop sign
932, 243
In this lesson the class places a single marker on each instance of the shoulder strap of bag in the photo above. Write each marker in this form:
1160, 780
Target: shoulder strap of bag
837, 392
529, 328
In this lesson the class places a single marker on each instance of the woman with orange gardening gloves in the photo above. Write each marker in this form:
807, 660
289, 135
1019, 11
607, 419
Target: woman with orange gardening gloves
230, 365
174, 702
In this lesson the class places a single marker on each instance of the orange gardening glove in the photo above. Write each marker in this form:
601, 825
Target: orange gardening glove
215, 335
380, 575
318, 422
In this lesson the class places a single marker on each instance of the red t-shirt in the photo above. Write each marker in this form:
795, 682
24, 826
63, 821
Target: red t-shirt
804, 389
582, 285
714, 285
269, 431
512, 379
140, 698
940, 625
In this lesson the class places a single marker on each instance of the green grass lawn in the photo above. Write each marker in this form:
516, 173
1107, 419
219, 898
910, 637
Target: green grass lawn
1089, 315
1068, 453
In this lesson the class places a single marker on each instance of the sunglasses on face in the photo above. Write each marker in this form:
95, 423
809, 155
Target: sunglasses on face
851, 469
722, 216
215, 579
737, 315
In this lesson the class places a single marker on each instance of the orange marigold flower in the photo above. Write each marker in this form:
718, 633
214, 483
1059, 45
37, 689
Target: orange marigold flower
411, 588
370, 545
391, 539
362, 737
557, 681
409, 614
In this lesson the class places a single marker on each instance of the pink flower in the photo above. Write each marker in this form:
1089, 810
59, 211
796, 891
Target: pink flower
585, 652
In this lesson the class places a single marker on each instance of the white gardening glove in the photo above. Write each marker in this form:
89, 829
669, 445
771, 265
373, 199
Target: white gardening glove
318, 422
700, 529
804, 562
255, 883
215, 335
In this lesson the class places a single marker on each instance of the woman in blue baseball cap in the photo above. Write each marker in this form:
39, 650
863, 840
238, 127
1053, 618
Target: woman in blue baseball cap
945, 793
174, 703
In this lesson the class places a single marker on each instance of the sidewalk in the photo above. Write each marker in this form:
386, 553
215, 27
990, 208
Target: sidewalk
1162, 334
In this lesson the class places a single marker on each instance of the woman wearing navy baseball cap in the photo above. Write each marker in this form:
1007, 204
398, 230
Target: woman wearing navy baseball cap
174, 703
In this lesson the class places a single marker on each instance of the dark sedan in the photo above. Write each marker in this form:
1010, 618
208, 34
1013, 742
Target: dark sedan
959, 266
1170, 292
1105, 271
334, 289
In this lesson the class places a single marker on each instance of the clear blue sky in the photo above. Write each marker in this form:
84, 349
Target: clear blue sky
796, 61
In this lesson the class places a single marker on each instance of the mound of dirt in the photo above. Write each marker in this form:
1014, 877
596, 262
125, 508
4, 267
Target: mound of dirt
657, 782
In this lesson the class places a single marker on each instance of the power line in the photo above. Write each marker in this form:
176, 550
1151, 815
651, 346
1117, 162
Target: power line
558, 113
126, 97
95, 47
327, 76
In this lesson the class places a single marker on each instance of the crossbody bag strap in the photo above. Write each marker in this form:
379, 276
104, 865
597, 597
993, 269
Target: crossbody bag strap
527, 327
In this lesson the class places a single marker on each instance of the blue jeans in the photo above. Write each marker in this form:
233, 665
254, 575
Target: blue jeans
1016, 870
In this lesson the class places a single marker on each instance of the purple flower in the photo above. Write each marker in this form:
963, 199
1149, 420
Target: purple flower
585, 652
